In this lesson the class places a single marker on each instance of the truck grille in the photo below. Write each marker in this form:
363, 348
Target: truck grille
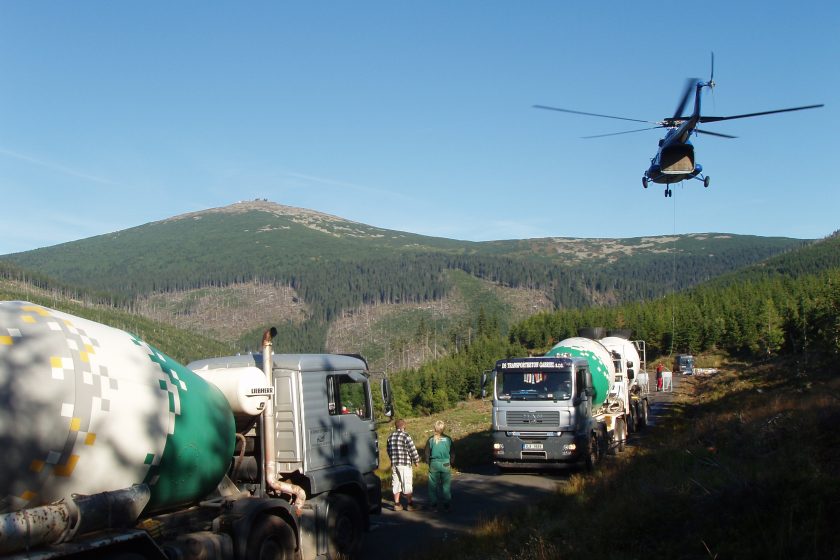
533, 420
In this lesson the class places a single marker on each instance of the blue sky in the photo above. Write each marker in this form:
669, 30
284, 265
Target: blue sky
414, 116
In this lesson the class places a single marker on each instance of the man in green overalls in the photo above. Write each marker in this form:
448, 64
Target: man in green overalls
439, 456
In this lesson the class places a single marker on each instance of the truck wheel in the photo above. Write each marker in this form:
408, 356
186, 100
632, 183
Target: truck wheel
621, 433
592, 454
271, 539
603, 442
631, 418
643, 417
344, 527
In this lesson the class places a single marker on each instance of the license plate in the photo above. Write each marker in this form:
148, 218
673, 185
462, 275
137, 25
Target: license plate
532, 446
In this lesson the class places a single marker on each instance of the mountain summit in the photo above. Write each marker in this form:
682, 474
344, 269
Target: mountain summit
318, 221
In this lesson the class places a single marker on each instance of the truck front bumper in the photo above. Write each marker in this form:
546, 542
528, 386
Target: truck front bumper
537, 450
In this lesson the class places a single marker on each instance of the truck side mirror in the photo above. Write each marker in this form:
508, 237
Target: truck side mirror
584, 395
590, 390
484, 385
385, 387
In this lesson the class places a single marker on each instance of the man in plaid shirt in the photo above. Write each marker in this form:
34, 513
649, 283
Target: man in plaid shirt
403, 456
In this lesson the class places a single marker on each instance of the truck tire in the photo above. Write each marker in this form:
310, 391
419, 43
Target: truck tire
345, 527
632, 416
615, 440
643, 416
593, 453
271, 539
621, 433
603, 441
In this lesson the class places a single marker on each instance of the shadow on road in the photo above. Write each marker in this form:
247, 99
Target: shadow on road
477, 495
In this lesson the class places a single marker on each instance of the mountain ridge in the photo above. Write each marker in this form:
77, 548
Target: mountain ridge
200, 264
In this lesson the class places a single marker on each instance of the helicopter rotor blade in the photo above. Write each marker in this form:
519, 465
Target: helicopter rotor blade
712, 77
591, 114
689, 85
625, 132
717, 119
714, 133
712, 84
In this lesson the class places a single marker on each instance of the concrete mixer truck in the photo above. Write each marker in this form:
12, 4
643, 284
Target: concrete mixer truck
111, 449
570, 406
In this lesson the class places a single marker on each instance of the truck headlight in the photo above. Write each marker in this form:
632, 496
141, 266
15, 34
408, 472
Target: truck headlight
498, 448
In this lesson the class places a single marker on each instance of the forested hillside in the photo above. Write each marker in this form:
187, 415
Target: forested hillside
791, 306
183, 345
333, 266
813, 258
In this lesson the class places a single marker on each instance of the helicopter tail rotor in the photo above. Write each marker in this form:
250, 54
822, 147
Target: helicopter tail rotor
711, 83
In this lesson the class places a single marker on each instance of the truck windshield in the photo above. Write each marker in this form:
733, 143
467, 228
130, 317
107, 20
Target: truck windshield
535, 385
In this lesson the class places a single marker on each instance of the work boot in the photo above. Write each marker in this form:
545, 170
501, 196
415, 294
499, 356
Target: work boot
410, 507
398, 507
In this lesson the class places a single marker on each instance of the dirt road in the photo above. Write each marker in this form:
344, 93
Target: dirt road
478, 494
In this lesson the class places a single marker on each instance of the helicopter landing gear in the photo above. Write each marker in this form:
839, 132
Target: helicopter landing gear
644, 182
668, 192
706, 181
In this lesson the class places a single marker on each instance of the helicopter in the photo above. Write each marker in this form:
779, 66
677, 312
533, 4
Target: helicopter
674, 160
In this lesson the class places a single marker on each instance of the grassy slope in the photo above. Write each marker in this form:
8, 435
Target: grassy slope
180, 344
602, 251
225, 312
383, 331
466, 424
744, 466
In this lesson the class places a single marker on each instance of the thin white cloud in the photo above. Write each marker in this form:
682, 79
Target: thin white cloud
57, 167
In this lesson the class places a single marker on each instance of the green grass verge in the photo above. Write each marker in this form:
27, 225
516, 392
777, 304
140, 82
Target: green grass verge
468, 424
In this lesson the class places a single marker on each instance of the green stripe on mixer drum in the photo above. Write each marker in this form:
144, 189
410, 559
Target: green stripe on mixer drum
600, 374
199, 448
